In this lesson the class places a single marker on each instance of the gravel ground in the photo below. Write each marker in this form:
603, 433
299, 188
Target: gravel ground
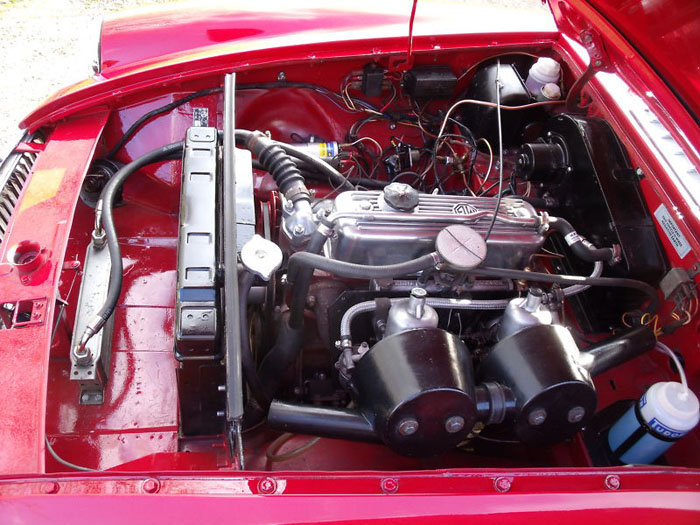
47, 44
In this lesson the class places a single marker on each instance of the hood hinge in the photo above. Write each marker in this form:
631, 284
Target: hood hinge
593, 43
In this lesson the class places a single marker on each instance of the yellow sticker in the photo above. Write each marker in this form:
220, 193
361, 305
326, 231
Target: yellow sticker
42, 187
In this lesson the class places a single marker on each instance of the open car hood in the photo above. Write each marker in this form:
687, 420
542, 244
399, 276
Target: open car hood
666, 33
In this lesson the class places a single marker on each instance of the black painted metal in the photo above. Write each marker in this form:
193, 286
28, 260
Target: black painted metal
424, 375
619, 349
339, 423
541, 366
602, 197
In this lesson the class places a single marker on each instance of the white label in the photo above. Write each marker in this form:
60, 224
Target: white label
200, 117
571, 238
674, 234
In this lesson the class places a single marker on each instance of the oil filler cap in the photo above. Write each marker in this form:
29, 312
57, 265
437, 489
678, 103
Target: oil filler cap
461, 247
400, 196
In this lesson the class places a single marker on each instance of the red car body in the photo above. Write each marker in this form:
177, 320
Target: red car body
651, 46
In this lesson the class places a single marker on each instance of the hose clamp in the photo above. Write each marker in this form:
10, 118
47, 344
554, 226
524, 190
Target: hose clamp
324, 229
297, 192
617, 254
99, 236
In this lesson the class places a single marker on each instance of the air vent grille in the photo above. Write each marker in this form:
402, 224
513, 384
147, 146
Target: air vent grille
13, 176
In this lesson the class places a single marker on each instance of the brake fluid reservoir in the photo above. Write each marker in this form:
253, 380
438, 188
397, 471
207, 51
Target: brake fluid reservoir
664, 414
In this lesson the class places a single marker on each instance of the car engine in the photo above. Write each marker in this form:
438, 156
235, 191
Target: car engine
415, 261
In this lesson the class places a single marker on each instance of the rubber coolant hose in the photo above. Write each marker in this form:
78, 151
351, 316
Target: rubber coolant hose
581, 249
247, 360
358, 271
615, 282
302, 282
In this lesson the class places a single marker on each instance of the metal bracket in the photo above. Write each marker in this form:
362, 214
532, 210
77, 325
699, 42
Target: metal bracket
196, 317
92, 373
593, 43
245, 202
400, 63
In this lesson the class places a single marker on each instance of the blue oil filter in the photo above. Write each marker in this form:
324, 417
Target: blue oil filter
664, 414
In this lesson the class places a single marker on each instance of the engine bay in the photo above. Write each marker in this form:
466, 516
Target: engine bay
349, 266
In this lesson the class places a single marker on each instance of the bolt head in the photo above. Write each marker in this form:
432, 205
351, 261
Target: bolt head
408, 427
502, 484
50, 487
150, 486
612, 482
267, 486
299, 230
537, 416
576, 414
454, 424
389, 485
419, 293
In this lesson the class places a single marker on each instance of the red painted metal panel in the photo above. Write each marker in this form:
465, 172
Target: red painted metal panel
138, 424
605, 496
169, 32
667, 34
139, 417
44, 216
678, 508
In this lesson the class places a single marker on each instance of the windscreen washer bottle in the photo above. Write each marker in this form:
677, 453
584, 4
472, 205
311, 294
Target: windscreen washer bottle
664, 414
545, 71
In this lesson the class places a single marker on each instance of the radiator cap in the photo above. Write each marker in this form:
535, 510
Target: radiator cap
261, 257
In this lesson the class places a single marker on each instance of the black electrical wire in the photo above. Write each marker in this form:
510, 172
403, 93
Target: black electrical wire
303, 85
154, 113
204, 92
411, 174
472, 158
355, 181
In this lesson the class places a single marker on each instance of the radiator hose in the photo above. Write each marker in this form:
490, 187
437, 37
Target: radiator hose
582, 248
